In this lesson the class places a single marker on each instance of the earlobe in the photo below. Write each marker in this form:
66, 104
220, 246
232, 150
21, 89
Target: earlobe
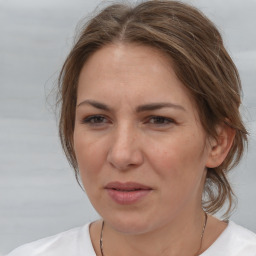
220, 146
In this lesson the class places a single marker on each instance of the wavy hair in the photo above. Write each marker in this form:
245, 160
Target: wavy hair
201, 62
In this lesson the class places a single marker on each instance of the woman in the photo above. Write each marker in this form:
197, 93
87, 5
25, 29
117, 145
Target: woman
150, 122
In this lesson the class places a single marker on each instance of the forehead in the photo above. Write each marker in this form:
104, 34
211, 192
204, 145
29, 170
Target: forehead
139, 71
121, 59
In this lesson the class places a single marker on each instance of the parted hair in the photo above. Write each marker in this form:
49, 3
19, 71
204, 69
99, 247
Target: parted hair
200, 60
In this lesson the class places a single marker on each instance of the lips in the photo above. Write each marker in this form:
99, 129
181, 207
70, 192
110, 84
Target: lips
127, 193
128, 186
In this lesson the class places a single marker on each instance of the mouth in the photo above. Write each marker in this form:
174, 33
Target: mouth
127, 193
128, 186
127, 190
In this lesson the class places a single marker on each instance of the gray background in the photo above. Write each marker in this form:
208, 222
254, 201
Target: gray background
38, 192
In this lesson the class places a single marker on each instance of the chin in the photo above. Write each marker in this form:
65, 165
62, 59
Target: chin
132, 225
131, 228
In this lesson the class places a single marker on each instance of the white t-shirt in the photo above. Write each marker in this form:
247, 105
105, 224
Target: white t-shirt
234, 241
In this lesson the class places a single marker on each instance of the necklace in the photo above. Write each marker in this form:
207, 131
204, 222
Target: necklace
201, 238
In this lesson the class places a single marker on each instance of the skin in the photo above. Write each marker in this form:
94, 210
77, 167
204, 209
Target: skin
164, 148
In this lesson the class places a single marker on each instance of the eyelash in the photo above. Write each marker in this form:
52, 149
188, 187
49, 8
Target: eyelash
164, 121
94, 120
98, 120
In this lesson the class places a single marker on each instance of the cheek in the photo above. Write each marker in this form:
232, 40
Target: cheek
90, 157
180, 178
180, 162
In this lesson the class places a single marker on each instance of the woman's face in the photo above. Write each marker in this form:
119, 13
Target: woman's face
141, 150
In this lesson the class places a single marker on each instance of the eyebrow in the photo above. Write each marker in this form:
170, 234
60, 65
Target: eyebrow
95, 104
141, 108
156, 106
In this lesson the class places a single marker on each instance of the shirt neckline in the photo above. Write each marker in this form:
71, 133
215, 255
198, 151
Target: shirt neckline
212, 247
219, 239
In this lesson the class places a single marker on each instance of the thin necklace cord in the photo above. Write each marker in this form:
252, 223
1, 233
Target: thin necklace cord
201, 238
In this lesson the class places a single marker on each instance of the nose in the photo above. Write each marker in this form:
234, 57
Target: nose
125, 150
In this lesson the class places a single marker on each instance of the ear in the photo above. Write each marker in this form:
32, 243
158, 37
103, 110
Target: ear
220, 147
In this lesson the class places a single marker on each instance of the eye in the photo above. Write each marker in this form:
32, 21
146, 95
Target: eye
160, 120
95, 120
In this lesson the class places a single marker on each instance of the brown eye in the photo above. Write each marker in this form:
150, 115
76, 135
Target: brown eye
160, 120
95, 120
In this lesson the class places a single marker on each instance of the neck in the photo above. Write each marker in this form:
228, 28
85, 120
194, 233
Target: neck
180, 237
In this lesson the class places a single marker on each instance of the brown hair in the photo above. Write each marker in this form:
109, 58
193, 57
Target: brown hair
200, 60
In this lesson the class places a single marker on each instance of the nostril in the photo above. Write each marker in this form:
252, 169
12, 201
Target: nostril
125, 161
124, 152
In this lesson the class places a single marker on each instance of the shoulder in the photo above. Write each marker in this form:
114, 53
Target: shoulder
72, 242
241, 238
242, 233
234, 241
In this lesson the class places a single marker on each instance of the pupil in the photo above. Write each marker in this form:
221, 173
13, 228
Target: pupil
98, 119
159, 120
